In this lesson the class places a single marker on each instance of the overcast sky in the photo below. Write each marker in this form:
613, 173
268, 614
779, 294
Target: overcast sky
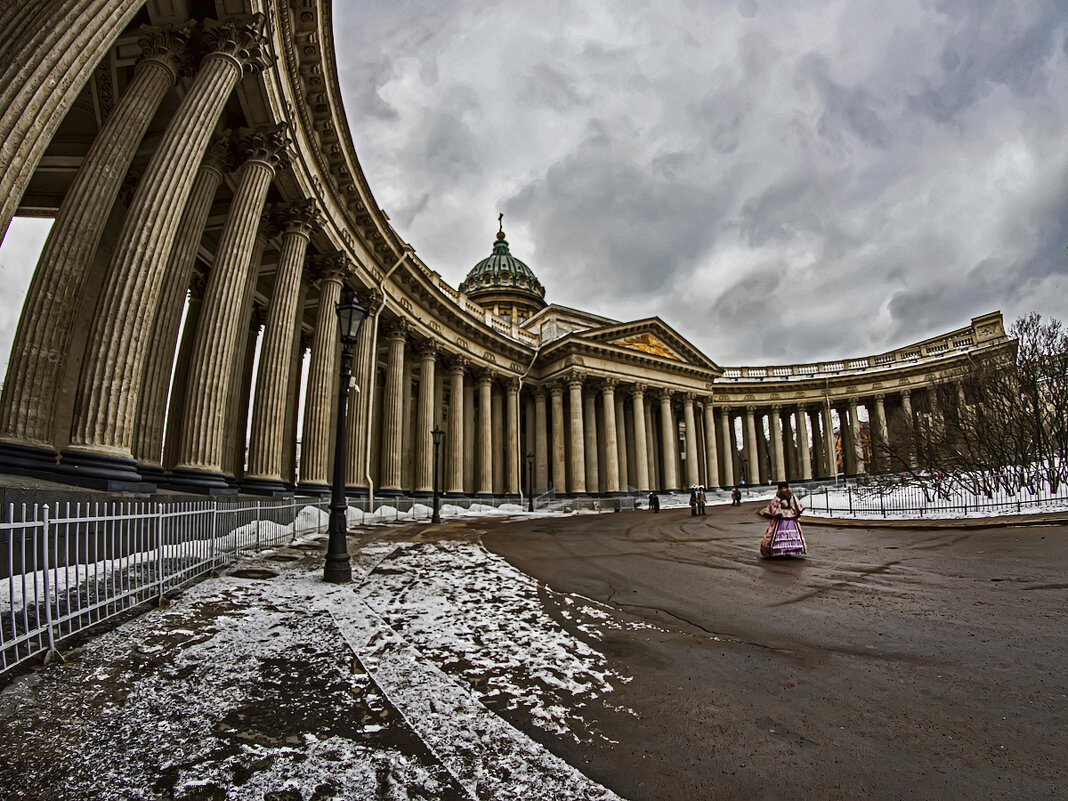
779, 181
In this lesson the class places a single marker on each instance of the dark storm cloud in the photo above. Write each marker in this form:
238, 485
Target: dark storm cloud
899, 168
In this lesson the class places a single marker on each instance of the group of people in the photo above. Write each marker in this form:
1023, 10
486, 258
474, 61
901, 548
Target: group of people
697, 499
782, 537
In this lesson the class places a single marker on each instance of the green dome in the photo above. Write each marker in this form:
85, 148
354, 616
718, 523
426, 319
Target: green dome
502, 272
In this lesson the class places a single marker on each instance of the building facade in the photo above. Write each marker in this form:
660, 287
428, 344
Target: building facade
209, 204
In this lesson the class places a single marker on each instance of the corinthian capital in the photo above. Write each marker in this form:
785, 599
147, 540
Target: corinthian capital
168, 45
269, 144
331, 267
241, 39
371, 298
302, 217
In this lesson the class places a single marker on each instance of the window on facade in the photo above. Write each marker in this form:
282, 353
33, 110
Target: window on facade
506, 317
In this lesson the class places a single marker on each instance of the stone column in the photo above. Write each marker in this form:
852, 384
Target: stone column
778, 458
180, 380
298, 222
667, 443
42, 342
358, 436
751, 454
512, 451
763, 450
200, 458
828, 441
655, 476
290, 460
239, 408
728, 447
790, 469
804, 455
620, 418
559, 453
819, 459
577, 483
541, 442
112, 371
426, 419
159, 366
711, 446
48, 52
879, 434
485, 433
641, 444
906, 412
393, 409
611, 436
854, 436
693, 472
589, 427
321, 397
455, 442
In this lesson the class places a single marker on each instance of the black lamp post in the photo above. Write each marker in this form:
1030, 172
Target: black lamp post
438, 434
530, 481
338, 570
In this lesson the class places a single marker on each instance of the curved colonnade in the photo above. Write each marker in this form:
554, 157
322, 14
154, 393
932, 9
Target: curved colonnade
209, 205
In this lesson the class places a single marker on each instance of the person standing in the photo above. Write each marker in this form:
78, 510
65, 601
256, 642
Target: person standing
693, 500
701, 499
783, 536
654, 502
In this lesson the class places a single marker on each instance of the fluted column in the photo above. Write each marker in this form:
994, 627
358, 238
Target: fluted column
830, 452
577, 483
113, 365
559, 453
180, 381
470, 435
589, 428
880, 438
297, 222
321, 397
425, 419
752, 456
200, 460
727, 446
239, 410
497, 417
541, 442
778, 458
301, 345
693, 468
712, 478
906, 413
789, 445
485, 433
359, 418
854, 436
455, 442
39, 352
611, 436
148, 432
512, 452
667, 440
45, 61
805, 456
641, 444
655, 479
393, 409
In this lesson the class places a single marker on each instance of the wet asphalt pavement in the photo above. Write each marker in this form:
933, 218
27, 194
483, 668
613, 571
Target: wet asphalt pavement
887, 664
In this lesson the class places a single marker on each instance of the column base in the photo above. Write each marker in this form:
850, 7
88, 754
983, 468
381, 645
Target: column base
425, 494
356, 492
152, 472
101, 471
311, 488
391, 493
26, 460
273, 487
200, 482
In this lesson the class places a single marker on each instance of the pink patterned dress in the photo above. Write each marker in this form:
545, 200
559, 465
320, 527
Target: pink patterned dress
783, 536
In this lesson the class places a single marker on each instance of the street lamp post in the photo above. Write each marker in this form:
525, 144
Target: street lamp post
437, 433
338, 570
530, 481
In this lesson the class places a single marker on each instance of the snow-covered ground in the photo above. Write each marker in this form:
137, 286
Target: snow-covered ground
289, 688
907, 502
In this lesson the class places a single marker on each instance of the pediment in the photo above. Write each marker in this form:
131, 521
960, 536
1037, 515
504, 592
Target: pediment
650, 337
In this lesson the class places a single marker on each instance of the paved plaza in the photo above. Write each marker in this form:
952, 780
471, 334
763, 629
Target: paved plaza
628, 655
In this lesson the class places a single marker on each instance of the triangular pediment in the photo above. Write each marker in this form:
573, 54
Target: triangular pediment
650, 337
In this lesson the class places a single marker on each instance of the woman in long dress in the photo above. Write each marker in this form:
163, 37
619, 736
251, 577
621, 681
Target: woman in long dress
783, 536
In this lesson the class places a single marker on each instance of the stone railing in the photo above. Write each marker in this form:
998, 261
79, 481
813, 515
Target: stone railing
940, 348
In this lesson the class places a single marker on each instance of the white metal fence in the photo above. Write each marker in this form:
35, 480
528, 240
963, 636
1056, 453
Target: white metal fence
906, 500
66, 567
